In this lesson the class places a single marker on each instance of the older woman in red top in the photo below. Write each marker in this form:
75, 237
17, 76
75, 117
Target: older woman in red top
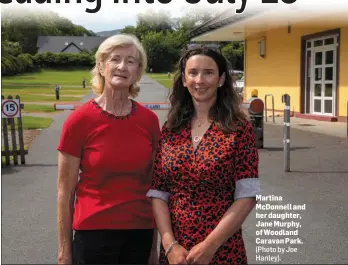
111, 140
205, 176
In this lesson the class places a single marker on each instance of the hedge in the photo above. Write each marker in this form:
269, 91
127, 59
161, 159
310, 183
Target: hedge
11, 65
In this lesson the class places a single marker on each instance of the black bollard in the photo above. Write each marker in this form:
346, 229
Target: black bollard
57, 92
286, 140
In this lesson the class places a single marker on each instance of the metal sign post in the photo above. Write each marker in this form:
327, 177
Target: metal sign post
286, 139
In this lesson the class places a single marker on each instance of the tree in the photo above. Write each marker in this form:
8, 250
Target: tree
130, 30
153, 21
19, 34
25, 26
164, 37
234, 52
160, 51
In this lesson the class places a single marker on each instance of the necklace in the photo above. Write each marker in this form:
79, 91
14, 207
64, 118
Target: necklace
198, 138
199, 122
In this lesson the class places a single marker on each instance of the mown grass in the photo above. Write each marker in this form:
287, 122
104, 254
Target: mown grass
37, 108
34, 123
41, 98
13, 91
50, 77
40, 87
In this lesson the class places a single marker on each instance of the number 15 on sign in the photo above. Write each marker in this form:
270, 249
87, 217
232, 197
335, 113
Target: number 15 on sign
10, 108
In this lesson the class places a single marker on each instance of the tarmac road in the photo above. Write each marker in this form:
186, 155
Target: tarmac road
318, 179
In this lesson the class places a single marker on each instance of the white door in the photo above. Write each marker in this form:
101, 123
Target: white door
323, 75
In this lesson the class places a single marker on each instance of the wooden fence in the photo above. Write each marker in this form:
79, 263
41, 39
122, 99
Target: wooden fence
11, 136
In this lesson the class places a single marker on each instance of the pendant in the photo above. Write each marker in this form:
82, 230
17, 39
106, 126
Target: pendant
196, 139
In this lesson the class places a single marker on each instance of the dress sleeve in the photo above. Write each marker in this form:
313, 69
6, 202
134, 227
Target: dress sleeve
247, 162
159, 188
72, 139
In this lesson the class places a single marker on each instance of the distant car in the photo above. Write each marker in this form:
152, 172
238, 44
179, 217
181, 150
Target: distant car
238, 81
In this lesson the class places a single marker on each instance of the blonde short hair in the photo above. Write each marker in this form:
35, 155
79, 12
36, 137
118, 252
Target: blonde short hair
104, 50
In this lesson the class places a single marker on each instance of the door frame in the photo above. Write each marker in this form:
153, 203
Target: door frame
323, 49
305, 96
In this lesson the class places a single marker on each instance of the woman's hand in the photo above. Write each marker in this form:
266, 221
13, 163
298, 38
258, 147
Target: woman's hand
64, 258
201, 253
177, 255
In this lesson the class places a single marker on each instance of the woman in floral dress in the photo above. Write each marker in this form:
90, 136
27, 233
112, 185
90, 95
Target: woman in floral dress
205, 177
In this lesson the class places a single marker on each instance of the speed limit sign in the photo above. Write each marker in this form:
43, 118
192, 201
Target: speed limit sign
10, 108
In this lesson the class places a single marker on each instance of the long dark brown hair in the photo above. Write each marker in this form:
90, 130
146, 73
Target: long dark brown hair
225, 112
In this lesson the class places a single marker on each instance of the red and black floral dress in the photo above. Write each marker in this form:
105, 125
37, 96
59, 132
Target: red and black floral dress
200, 185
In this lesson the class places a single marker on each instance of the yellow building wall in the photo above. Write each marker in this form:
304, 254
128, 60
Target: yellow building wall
279, 71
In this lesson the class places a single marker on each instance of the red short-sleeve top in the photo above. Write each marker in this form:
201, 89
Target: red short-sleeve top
116, 161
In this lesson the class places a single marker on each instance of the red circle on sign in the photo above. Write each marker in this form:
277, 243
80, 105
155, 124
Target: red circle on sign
256, 106
3, 105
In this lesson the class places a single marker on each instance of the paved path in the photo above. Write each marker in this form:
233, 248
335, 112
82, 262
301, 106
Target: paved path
339, 129
319, 180
151, 91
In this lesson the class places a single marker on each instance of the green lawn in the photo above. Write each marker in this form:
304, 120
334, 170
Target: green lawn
50, 77
162, 78
40, 98
44, 82
19, 90
38, 108
32, 123
40, 87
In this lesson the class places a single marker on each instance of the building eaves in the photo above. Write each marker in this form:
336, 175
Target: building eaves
225, 18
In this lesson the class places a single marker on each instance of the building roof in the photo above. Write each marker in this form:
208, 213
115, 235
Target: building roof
229, 26
224, 18
57, 44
